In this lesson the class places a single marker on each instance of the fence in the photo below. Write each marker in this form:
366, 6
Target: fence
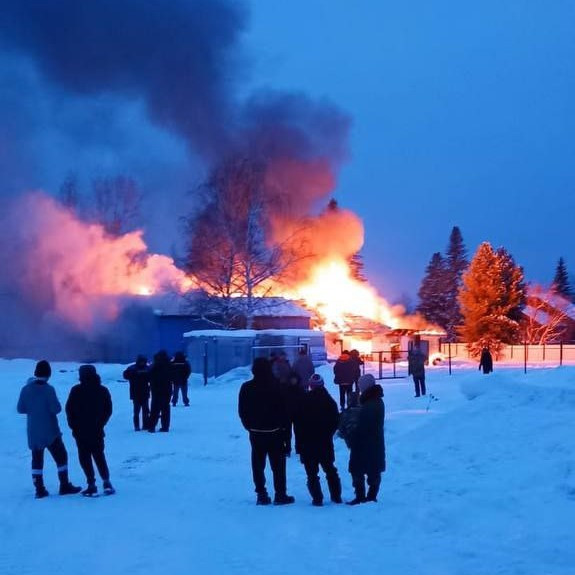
555, 354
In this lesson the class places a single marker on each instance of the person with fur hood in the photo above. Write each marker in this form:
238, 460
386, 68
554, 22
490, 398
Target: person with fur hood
367, 443
39, 402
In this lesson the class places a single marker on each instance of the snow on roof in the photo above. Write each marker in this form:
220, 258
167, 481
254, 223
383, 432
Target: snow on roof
173, 304
253, 332
553, 300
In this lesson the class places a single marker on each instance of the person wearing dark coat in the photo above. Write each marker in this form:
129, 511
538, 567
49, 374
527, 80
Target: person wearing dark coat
262, 411
367, 443
161, 375
181, 371
416, 368
293, 393
138, 376
88, 409
281, 368
345, 372
356, 358
303, 366
316, 423
39, 402
486, 361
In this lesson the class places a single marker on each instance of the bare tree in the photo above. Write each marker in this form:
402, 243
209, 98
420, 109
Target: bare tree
117, 203
545, 316
229, 252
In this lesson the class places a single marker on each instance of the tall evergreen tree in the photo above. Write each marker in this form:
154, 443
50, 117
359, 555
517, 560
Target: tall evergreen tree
433, 296
561, 283
455, 265
491, 297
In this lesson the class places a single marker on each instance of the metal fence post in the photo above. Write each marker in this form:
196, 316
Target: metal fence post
206, 351
380, 353
525, 357
449, 348
561, 353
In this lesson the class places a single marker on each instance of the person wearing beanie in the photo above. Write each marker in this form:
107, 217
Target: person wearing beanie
88, 409
138, 375
263, 414
366, 441
161, 377
181, 371
316, 424
39, 402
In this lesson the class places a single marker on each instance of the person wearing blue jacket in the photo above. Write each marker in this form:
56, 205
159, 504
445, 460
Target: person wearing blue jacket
39, 402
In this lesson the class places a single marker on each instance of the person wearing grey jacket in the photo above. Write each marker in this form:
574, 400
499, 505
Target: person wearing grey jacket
38, 401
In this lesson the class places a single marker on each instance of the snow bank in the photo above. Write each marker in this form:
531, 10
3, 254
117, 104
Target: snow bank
478, 487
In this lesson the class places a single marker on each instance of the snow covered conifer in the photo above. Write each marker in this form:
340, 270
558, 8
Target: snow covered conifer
433, 296
491, 298
561, 284
456, 264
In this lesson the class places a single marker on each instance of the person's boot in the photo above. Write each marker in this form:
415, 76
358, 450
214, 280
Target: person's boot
263, 498
91, 490
108, 487
359, 493
372, 494
283, 499
315, 491
41, 491
66, 488
334, 486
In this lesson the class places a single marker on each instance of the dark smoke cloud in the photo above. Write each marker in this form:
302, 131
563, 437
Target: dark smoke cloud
150, 89
179, 56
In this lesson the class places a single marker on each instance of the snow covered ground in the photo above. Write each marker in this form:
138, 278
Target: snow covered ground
480, 486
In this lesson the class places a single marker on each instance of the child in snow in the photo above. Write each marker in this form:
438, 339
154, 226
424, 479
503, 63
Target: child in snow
89, 407
38, 401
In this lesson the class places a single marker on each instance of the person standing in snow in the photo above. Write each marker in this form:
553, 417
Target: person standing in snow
356, 358
316, 423
89, 408
345, 371
281, 368
416, 368
262, 411
181, 371
367, 443
303, 366
39, 402
486, 361
161, 385
293, 393
138, 376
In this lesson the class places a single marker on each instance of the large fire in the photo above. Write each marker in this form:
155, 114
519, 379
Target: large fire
337, 297
86, 272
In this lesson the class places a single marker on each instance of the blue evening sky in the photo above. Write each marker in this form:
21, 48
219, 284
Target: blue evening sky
463, 114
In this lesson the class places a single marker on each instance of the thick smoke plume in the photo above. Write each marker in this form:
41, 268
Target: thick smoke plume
182, 62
